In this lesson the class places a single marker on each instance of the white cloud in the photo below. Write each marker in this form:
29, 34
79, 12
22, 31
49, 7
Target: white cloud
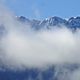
57, 46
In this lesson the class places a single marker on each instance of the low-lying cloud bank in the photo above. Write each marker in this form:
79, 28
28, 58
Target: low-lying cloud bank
20, 46
27, 48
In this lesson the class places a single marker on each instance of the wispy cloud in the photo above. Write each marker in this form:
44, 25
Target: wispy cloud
36, 11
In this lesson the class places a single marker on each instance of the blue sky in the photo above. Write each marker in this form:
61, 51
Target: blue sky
44, 8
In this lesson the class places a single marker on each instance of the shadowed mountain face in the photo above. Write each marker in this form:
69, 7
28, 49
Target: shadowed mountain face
54, 72
59, 72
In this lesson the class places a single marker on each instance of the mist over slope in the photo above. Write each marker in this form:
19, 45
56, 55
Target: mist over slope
21, 45
39, 50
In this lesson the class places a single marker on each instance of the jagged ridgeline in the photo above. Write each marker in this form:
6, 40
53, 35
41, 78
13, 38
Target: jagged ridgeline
73, 22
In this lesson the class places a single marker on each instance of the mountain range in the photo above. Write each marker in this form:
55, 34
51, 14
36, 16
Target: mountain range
73, 22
